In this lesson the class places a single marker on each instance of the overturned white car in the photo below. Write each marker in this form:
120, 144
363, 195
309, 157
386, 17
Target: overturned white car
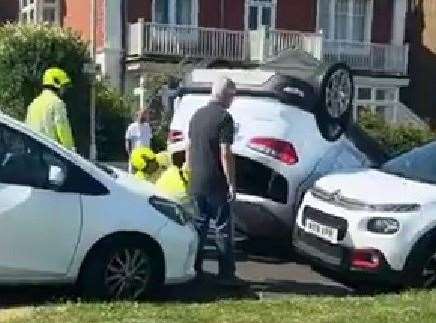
288, 134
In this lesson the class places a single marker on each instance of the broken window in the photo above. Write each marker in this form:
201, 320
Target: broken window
253, 178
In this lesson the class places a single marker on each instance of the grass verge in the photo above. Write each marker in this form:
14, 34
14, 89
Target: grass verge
412, 306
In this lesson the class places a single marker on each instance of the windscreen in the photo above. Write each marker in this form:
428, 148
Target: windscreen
417, 164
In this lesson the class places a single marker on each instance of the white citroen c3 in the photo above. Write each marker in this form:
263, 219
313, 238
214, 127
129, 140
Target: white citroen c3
375, 224
64, 219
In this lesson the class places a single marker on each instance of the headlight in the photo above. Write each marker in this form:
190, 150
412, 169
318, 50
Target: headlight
170, 209
383, 225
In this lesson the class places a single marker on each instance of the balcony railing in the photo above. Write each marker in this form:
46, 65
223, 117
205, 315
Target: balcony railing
383, 58
187, 41
283, 40
261, 45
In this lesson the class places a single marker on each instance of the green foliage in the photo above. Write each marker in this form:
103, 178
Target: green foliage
395, 139
154, 83
159, 140
113, 117
26, 51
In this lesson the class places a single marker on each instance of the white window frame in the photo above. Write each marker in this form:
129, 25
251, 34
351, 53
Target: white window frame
332, 22
373, 103
261, 4
25, 12
172, 12
38, 7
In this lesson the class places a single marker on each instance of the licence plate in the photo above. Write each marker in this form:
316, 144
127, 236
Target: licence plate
322, 231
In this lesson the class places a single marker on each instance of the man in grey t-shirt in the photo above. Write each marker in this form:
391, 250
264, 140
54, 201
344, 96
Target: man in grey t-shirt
211, 161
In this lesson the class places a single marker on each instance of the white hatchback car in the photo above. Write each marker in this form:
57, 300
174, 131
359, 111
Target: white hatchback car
375, 224
64, 219
280, 142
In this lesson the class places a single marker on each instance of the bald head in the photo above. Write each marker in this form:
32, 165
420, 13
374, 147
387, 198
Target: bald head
223, 91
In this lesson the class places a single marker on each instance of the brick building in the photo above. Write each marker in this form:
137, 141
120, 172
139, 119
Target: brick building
421, 34
136, 37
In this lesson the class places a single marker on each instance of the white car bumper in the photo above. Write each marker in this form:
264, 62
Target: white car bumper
180, 252
353, 235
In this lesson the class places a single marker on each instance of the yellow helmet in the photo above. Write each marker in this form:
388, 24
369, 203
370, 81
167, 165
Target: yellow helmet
140, 157
56, 78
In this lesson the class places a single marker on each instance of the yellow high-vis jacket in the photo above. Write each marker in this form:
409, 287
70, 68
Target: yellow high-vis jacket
173, 183
47, 114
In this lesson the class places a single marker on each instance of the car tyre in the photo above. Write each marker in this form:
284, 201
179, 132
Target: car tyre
420, 270
126, 269
336, 102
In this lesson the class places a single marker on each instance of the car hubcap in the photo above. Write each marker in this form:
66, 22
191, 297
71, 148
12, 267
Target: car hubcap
429, 272
128, 273
338, 93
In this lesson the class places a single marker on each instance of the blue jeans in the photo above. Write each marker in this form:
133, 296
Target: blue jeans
207, 208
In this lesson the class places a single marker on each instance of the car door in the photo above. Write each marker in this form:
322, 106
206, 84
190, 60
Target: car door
39, 223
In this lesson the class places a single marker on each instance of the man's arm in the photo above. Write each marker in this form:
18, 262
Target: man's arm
228, 163
63, 128
188, 154
227, 131
128, 141
128, 147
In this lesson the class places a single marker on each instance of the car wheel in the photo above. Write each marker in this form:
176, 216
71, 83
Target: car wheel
336, 102
421, 269
120, 270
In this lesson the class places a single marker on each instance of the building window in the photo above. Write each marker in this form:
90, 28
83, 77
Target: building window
260, 13
348, 20
40, 11
364, 93
381, 101
175, 12
360, 8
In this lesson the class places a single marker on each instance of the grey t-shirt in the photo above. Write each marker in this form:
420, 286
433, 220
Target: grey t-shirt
209, 127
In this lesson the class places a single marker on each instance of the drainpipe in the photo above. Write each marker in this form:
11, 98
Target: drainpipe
124, 31
93, 146
222, 13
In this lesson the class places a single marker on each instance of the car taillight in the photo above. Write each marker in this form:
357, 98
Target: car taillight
275, 148
175, 136
366, 259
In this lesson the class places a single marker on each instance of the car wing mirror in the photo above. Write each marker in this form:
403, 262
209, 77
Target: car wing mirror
56, 176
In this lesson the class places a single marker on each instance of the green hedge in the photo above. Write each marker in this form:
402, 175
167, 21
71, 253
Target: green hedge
113, 117
395, 139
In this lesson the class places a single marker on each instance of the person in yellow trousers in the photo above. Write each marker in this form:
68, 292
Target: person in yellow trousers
47, 114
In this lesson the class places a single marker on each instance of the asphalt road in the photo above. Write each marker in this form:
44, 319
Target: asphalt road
269, 270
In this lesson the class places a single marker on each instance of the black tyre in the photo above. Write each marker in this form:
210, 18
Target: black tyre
121, 269
335, 104
420, 269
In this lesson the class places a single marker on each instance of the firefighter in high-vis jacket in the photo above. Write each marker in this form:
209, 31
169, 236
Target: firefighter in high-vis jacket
158, 169
47, 114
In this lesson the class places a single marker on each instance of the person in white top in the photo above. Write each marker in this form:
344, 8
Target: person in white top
138, 133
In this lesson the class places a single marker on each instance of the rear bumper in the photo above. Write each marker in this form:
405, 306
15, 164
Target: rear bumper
338, 259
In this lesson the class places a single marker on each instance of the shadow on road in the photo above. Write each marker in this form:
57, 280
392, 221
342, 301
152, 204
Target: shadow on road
254, 253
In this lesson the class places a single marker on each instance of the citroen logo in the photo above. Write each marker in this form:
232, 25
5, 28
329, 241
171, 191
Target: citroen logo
336, 196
